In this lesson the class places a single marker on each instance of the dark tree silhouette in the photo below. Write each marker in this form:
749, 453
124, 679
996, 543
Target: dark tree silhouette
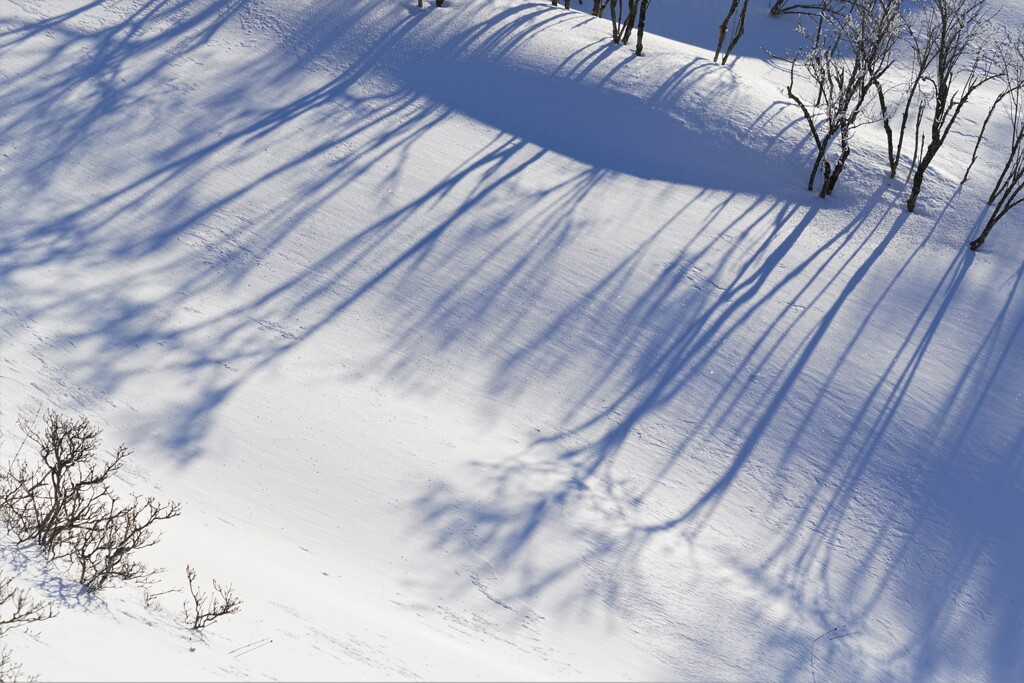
1011, 55
851, 51
641, 23
951, 41
733, 25
1008, 191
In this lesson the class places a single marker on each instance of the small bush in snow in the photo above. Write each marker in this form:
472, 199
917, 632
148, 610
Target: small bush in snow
63, 502
207, 608
11, 670
17, 609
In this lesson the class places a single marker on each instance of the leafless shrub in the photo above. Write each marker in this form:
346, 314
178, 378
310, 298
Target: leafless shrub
17, 609
64, 503
208, 607
11, 670
150, 597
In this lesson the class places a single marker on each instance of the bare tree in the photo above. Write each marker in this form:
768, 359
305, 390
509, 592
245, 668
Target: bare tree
616, 16
641, 23
65, 504
635, 11
951, 42
207, 608
828, 74
880, 24
625, 16
629, 23
1008, 191
1011, 55
914, 99
844, 61
733, 25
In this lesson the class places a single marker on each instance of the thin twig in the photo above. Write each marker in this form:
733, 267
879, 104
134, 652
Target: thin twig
814, 673
252, 646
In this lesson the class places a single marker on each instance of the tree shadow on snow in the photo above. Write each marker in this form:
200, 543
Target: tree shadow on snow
745, 366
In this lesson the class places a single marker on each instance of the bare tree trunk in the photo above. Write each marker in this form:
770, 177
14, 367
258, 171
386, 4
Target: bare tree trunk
896, 151
826, 177
1015, 148
737, 31
616, 8
981, 134
723, 28
926, 158
640, 27
821, 142
1011, 186
1009, 200
814, 169
630, 21
980, 240
832, 173
890, 147
918, 141
942, 124
902, 130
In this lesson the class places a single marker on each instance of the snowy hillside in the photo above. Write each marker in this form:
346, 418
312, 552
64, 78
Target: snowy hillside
476, 347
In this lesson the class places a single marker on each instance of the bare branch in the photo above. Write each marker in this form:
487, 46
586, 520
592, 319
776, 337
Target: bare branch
207, 608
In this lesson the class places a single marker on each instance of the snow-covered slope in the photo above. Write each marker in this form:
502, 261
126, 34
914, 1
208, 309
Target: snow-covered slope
477, 347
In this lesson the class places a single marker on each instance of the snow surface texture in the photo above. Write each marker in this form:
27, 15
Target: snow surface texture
476, 347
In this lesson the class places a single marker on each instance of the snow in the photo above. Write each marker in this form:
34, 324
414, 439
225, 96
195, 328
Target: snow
477, 348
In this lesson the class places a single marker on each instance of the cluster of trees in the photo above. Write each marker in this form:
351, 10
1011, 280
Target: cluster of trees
943, 53
625, 15
910, 65
61, 500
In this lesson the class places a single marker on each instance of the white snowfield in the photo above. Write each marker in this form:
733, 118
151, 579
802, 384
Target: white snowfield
476, 347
